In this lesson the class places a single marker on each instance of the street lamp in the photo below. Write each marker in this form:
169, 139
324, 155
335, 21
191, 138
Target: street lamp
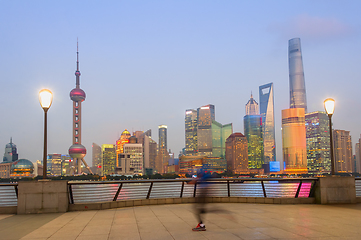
329, 104
45, 99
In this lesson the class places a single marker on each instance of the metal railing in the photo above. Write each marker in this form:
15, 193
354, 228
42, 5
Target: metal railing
358, 186
86, 192
8, 194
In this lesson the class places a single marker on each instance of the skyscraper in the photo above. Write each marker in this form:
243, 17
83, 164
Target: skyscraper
343, 151
237, 153
266, 103
296, 75
220, 133
318, 142
205, 116
191, 132
10, 154
162, 136
135, 150
108, 159
357, 157
96, 158
77, 95
294, 140
252, 123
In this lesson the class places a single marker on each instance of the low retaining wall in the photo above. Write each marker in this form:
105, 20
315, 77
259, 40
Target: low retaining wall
162, 201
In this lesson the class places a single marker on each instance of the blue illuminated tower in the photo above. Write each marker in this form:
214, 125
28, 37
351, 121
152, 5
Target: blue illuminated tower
266, 96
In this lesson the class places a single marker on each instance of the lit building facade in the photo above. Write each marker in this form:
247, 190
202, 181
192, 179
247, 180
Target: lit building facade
191, 164
162, 135
205, 116
191, 147
253, 132
294, 141
10, 154
108, 159
266, 103
357, 157
220, 133
296, 75
252, 107
342, 151
96, 158
135, 150
318, 142
54, 164
237, 153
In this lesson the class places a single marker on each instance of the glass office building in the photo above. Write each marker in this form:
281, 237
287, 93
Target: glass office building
205, 116
294, 141
343, 151
318, 142
220, 133
108, 159
253, 133
268, 121
190, 121
162, 131
296, 75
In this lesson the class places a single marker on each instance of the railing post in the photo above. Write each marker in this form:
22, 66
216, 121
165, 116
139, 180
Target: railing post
117, 193
71, 194
181, 193
229, 190
150, 189
264, 190
195, 189
298, 189
16, 191
312, 190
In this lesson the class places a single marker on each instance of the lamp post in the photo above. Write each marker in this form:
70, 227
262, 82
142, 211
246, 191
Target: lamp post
45, 99
329, 105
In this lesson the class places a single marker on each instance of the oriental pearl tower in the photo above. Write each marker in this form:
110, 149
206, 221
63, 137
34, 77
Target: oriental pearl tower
77, 95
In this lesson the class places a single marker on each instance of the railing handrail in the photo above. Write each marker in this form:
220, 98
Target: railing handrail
190, 179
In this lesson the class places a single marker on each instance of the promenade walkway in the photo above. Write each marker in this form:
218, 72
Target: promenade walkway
243, 221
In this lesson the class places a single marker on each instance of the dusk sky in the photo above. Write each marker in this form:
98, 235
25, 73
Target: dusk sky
143, 63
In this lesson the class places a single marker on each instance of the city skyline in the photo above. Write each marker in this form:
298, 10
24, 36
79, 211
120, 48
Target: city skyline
144, 64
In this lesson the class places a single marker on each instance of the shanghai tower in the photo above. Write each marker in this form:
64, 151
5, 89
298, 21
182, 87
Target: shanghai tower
297, 78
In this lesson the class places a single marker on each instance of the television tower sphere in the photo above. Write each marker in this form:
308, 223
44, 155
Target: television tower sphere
77, 151
77, 95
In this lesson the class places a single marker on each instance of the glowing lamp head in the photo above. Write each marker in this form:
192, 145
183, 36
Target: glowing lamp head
45, 98
77, 151
77, 95
329, 104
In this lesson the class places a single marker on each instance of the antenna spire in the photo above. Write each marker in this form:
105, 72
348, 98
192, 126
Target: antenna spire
77, 72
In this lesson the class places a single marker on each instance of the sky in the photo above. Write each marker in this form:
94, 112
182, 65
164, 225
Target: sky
143, 63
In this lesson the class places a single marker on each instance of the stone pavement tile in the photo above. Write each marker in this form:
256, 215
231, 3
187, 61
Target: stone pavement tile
95, 230
248, 233
2, 216
149, 228
42, 233
277, 233
307, 232
126, 221
188, 236
124, 236
219, 234
156, 235
171, 219
225, 224
93, 237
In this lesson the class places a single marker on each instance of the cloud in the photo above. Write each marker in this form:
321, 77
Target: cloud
312, 27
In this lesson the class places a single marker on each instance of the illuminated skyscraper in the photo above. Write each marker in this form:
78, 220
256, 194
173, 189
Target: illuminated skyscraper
237, 153
191, 132
77, 95
358, 157
252, 107
135, 150
108, 159
268, 121
296, 75
10, 154
220, 133
252, 123
205, 116
318, 142
343, 151
96, 158
294, 140
162, 136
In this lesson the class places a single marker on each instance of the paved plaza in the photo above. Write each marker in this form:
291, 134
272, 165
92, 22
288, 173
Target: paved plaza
231, 221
